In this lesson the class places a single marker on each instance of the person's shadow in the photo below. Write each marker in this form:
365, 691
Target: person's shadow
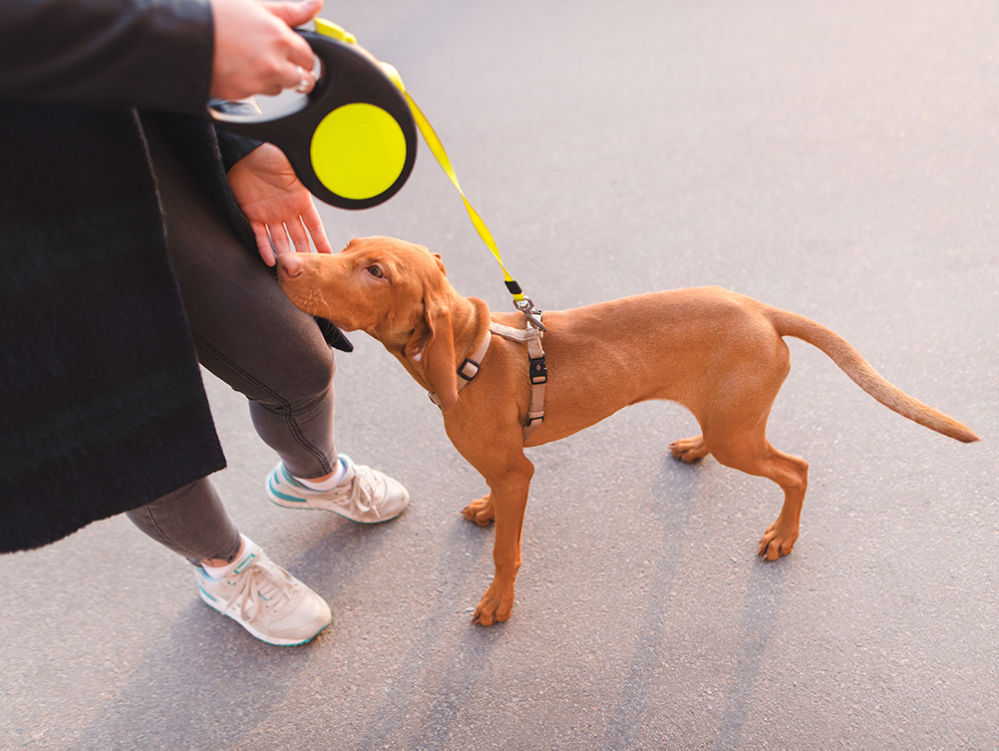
191, 689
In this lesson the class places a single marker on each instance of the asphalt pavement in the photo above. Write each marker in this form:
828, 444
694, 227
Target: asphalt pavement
836, 159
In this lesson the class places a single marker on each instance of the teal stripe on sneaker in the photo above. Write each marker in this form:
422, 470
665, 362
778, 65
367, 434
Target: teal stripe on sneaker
206, 593
289, 478
284, 496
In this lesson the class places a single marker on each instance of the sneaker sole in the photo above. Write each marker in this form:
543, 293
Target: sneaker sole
284, 500
277, 642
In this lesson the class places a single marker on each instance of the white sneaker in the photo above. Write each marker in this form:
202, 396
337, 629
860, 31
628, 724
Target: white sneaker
266, 600
365, 495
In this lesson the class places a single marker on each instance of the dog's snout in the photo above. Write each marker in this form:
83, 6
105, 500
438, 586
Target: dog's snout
289, 265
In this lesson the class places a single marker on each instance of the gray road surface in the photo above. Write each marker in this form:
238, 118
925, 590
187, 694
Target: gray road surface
837, 159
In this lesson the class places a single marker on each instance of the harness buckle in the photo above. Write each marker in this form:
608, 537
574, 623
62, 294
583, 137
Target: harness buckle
468, 369
538, 370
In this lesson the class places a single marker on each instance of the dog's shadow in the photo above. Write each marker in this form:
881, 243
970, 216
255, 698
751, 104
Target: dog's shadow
676, 489
460, 666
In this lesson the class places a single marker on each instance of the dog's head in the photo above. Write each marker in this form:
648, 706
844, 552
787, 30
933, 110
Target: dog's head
393, 290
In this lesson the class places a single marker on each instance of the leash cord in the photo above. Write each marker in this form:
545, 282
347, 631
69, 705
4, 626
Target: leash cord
520, 301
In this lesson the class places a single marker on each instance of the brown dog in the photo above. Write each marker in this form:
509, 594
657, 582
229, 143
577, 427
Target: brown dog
718, 353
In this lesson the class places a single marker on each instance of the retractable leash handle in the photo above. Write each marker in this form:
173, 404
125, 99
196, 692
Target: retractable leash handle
352, 140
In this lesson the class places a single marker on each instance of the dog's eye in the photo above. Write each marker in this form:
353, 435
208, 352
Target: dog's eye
376, 271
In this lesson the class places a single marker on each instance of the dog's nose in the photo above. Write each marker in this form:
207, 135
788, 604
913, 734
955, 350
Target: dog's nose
289, 264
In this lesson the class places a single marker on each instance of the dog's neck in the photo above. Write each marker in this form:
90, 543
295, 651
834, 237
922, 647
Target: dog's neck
470, 319
472, 329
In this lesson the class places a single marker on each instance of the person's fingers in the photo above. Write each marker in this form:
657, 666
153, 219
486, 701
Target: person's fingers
256, 50
263, 242
300, 53
294, 13
299, 80
279, 238
314, 225
299, 237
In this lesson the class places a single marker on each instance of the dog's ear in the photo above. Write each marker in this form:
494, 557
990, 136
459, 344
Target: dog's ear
436, 256
431, 349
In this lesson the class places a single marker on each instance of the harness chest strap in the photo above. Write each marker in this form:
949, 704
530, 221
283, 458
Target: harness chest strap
469, 368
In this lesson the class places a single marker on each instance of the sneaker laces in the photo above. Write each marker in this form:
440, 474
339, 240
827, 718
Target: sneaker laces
362, 486
261, 582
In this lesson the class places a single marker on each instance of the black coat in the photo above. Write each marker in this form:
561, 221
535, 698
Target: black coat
102, 408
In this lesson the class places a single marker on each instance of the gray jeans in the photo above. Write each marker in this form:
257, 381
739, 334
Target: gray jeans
249, 335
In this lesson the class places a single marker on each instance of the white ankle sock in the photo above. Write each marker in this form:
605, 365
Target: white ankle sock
219, 572
331, 482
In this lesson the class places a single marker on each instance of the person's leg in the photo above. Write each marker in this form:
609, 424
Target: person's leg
246, 330
193, 522
250, 335
234, 575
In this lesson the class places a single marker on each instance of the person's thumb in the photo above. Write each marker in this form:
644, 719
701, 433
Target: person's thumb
295, 13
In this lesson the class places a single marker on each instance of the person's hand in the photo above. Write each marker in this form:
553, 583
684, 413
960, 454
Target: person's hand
256, 52
278, 206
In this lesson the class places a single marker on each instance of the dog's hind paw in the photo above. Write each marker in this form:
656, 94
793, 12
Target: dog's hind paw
776, 542
689, 449
479, 511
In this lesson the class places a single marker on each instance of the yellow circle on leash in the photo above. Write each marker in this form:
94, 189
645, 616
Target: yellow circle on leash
358, 151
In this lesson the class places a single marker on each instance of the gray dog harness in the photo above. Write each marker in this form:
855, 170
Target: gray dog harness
538, 372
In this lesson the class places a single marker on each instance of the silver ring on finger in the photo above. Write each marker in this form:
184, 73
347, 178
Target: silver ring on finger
302, 87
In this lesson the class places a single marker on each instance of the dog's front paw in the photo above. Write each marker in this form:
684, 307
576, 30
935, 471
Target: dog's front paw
689, 449
495, 606
479, 511
777, 541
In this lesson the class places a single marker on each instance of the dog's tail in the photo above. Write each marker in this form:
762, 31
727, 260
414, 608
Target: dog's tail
860, 371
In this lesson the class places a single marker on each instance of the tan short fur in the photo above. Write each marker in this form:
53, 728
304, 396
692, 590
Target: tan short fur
718, 353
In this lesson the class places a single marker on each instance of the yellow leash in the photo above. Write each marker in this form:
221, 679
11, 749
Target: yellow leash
520, 301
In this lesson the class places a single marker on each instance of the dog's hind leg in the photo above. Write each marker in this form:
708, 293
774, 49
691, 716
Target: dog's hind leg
750, 452
734, 422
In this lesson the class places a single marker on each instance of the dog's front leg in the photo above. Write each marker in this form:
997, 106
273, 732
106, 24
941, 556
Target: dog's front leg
508, 493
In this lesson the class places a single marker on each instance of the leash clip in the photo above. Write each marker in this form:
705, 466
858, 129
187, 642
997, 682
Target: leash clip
526, 306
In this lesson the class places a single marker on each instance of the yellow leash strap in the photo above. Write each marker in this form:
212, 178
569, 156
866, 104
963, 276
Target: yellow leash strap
520, 301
